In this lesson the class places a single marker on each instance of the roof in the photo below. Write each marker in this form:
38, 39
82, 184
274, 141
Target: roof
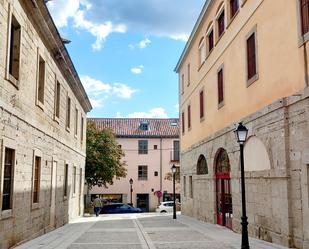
39, 14
130, 127
192, 35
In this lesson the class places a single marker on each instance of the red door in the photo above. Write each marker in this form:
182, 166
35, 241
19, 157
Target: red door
223, 190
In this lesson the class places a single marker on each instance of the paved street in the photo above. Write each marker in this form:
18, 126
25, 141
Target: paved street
142, 231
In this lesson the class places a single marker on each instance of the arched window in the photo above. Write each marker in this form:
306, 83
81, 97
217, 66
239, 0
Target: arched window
222, 161
201, 168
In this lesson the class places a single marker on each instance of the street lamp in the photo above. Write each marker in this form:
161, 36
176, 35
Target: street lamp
241, 135
131, 189
174, 206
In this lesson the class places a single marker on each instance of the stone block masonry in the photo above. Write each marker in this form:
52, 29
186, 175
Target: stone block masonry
44, 177
277, 197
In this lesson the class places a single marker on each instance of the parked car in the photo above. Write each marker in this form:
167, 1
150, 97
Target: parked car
167, 206
119, 208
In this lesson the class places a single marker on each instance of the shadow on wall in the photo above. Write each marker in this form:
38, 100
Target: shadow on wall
27, 220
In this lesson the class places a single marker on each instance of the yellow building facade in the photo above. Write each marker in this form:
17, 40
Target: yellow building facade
247, 61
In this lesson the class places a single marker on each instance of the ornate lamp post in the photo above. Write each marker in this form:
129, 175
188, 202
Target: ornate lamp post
241, 135
131, 190
174, 206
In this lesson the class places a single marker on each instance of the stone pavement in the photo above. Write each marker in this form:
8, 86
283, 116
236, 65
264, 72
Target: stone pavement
142, 231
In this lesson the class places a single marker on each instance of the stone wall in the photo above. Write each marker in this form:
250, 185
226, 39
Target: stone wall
31, 130
277, 199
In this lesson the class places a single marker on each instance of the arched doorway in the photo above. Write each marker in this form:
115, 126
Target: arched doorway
223, 189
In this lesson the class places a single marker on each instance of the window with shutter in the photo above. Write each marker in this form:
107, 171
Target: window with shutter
220, 87
234, 6
189, 116
251, 56
304, 6
210, 40
201, 104
221, 25
183, 122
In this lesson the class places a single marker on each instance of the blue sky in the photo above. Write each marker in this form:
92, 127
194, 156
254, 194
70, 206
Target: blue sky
125, 52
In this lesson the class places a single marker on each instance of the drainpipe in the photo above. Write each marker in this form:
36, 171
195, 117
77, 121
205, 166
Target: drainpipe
288, 173
306, 65
161, 173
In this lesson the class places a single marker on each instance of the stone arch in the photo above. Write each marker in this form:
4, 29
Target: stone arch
222, 161
201, 166
220, 6
255, 155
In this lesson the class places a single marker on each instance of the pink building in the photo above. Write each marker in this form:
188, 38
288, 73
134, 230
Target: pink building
151, 147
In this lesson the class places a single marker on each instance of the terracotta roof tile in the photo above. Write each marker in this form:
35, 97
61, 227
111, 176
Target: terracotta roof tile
130, 127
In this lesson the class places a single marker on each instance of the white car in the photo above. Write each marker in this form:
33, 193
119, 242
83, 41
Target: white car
167, 207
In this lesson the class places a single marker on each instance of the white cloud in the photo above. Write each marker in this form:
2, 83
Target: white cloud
100, 31
158, 112
151, 17
63, 10
144, 43
95, 87
100, 92
123, 91
137, 70
96, 102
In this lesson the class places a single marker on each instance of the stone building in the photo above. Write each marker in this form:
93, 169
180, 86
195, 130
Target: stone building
43, 109
247, 61
151, 147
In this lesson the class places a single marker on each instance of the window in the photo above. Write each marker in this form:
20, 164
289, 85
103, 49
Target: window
155, 147
82, 129
156, 173
234, 6
142, 172
251, 56
304, 6
41, 80
220, 87
190, 187
189, 116
184, 186
201, 168
8, 174
201, 52
176, 150
142, 146
36, 179
76, 122
210, 39
144, 126
68, 118
188, 74
182, 84
74, 180
221, 24
80, 180
65, 182
57, 100
202, 104
14, 51
183, 122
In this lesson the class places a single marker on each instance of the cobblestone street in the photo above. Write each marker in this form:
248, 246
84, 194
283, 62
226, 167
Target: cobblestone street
142, 231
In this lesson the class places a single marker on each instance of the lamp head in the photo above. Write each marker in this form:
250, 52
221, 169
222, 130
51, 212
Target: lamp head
241, 133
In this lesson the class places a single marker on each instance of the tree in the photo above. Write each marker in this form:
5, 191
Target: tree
103, 157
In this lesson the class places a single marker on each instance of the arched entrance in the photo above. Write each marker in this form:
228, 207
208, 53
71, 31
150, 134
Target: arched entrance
223, 189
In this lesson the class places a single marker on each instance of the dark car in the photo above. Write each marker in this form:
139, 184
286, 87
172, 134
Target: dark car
119, 208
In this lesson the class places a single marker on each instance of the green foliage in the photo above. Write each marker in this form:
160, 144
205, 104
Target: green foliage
103, 158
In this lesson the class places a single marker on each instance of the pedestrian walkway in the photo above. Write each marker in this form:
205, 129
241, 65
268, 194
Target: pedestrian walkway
142, 231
